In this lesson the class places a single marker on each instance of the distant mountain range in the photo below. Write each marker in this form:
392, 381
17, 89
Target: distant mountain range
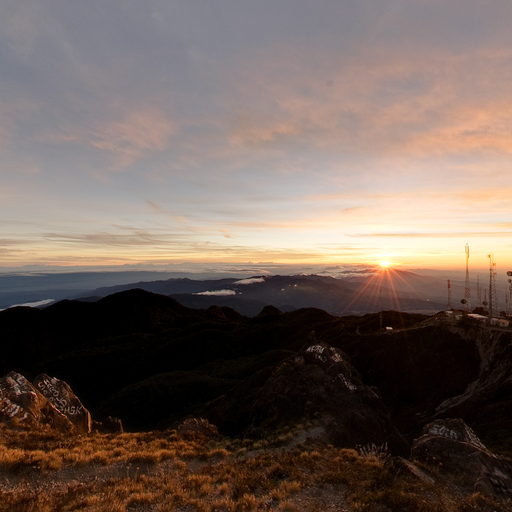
360, 293
29, 287
349, 289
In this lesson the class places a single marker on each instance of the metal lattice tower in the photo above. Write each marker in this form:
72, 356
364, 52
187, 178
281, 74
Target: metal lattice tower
509, 294
492, 285
449, 294
467, 289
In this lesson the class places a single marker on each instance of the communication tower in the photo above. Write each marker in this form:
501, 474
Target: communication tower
449, 294
509, 294
467, 290
492, 285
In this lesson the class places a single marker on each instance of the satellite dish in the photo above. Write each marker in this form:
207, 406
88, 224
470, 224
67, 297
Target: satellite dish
463, 301
509, 273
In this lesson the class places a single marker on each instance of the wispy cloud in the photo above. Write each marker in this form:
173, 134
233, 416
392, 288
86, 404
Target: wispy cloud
384, 101
14, 242
249, 130
276, 133
135, 135
217, 293
439, 234
136, 238
250, 280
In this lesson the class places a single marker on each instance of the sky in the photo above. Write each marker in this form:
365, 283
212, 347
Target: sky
286, 131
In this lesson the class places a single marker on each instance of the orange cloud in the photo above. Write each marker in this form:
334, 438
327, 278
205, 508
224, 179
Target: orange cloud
384, 101
254, 130
136, 135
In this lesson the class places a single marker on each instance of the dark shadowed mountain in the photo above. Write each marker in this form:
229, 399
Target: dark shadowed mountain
152, 361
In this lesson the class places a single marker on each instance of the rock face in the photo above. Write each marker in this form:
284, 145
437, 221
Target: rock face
452, 447
317, 384
21, 403
49, 402
61, 396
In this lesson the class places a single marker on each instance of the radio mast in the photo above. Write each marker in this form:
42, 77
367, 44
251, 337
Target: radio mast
509, 295
467, 289
492, 285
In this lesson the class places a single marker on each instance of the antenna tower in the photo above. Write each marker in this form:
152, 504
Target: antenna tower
492, 285
478, 290
509, 294
467, 289
449, 294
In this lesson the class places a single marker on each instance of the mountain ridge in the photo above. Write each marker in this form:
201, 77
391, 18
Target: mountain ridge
390, 289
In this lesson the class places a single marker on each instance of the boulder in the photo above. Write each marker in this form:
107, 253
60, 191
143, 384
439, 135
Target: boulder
452, 448
22, 404
61, 396
197, 428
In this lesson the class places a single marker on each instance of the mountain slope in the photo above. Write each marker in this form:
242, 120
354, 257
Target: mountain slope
135, 347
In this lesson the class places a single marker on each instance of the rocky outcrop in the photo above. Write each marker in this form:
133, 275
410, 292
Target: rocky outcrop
451, 447
22, 404
61, 396
48, 402
197, 429
316, 384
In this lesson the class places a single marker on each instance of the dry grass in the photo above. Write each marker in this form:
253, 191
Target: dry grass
46, 451
159, 472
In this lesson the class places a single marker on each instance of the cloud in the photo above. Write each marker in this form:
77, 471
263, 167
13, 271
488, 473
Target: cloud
384, 101
251, 130
439, 234
35, 304
136, 135
225, 233
250, 280
492, 196
4, 242
136, 238
22, 25
266, 116
156, 207
218, 293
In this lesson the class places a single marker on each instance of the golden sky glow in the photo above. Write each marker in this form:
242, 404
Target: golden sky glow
292, 132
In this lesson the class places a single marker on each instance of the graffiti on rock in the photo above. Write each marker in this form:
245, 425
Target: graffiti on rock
49, 388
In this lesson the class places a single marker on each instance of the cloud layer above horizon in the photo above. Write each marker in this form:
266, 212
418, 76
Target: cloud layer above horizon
291, 131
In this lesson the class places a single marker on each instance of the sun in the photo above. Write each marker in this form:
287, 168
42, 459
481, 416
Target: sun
385, 264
